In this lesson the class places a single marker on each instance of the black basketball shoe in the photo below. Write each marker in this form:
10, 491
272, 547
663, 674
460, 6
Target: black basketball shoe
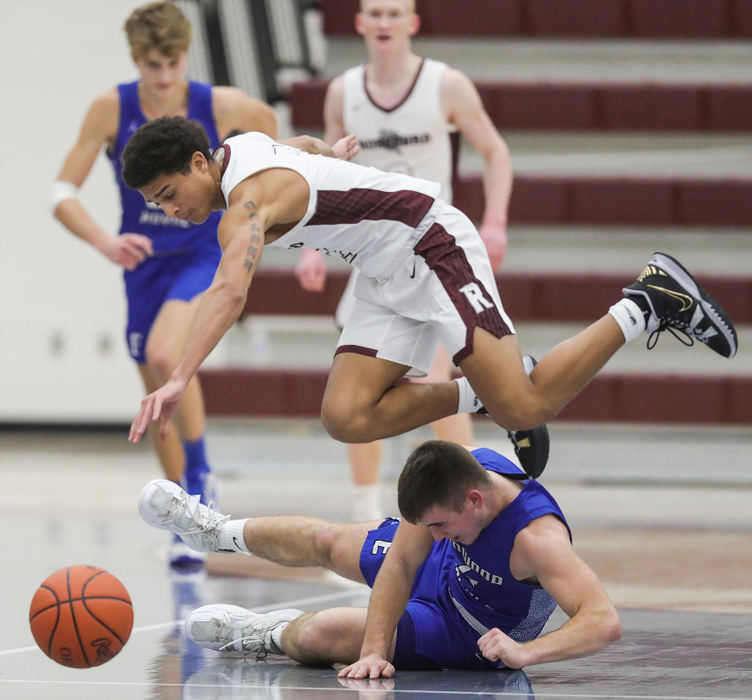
530, 446
672, 300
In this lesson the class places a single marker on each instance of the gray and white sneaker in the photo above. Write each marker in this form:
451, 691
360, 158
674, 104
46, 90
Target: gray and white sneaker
230, 628
163, 504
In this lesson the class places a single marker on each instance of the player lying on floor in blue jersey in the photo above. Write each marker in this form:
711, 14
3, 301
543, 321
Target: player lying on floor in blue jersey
466, 579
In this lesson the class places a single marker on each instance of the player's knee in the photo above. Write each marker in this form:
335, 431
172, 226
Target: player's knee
160, 358
313, 638
341, 421
324, 540
522, 413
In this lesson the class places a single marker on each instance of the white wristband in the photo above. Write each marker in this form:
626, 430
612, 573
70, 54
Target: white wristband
60, 190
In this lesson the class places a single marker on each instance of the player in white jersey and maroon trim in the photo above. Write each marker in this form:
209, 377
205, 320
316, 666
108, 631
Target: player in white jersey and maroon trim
424, 277
404, 110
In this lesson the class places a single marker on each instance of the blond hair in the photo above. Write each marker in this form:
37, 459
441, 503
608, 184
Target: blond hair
158, 25
410, 5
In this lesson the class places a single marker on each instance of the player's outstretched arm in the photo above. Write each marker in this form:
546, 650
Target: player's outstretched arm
391, 592
241, 236
543, 551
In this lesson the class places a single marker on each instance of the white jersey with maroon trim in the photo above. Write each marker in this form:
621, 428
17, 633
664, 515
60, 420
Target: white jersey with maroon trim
412, 137
361, 215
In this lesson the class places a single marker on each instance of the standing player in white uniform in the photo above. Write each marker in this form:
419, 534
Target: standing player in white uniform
403, 110
424, 278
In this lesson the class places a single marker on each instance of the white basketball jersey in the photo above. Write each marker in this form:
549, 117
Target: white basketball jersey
411, 138
360, 215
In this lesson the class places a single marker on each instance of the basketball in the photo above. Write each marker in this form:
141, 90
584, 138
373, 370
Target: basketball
81, 616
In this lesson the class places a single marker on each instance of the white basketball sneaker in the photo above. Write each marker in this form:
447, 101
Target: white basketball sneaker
163, 504
230, 628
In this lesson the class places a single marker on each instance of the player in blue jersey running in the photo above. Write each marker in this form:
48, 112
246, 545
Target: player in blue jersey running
466, 580
168, 262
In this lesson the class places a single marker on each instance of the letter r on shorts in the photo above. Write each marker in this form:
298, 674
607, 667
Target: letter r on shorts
473, 294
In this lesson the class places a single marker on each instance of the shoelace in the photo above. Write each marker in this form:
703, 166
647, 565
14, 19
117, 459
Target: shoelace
203, 518
674, 327
253, 639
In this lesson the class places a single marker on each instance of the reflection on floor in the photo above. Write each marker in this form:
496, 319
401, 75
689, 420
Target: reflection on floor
674, 557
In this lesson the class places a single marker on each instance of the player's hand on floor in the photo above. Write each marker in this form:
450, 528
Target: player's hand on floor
377, 686
128, 249
159, 405
311, 271
347, 147
370, 666
497, 646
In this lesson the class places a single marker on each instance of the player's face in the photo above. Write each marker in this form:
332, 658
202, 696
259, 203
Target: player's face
160, 74
189, 197
462, 525
386, 24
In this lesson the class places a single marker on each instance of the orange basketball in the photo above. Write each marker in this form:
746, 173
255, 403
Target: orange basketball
81, 616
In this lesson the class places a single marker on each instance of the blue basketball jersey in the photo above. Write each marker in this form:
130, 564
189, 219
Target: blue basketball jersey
481, 586
460, 591
169, 236
185, 255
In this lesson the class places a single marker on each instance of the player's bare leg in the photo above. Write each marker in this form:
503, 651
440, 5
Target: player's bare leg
362, 403
514, 399
365, 461
170, 450
457, 428
330, 636
166, 338
364, 400
308, 541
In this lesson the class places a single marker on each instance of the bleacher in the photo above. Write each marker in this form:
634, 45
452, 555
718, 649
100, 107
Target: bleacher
606, 171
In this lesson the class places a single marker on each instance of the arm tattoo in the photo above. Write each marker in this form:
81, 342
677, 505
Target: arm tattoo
256, 239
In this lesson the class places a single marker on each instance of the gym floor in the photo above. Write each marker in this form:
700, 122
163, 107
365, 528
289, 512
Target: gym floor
661, 514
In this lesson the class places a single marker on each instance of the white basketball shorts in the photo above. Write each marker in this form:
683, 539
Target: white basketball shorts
441, 291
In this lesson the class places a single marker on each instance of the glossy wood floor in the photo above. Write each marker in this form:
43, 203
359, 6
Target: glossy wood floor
665, 522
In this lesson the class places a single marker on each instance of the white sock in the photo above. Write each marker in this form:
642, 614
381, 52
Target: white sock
630, 318
276, 635
468, 402
231, 536
366, 502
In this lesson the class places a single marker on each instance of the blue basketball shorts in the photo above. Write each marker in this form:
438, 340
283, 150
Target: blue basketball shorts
431, 634
158, 280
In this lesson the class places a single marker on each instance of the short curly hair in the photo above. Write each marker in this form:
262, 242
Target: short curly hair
437, 473
163, 147
158, 25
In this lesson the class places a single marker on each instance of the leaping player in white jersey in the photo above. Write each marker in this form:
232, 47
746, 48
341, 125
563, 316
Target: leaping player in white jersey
403, 109
424, 278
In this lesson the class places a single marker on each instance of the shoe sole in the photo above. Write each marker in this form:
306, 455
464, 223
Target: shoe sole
710, 306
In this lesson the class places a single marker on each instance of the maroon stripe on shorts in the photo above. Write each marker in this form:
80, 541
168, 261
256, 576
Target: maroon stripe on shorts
358, 204
357, 349
448, 261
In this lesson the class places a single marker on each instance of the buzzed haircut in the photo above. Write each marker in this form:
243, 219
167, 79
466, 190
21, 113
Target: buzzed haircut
163, 147
438, 473
158, 25
410, 5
